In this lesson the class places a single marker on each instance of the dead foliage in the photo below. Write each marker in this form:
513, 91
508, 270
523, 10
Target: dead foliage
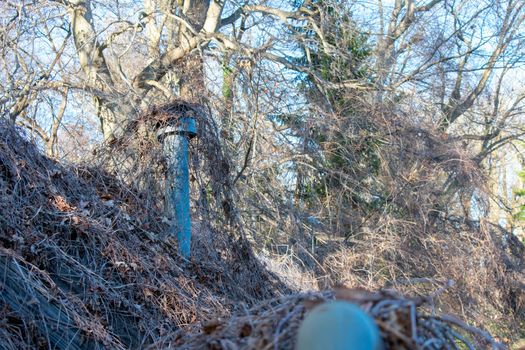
404, 323
385, 194
82, 255
84, 264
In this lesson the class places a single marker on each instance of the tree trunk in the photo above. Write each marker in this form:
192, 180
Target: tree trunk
111, 110
190, 71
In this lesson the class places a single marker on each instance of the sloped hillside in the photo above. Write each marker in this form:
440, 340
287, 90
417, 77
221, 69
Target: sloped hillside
83, 265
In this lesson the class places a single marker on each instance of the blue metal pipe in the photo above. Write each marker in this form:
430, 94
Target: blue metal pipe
175, 142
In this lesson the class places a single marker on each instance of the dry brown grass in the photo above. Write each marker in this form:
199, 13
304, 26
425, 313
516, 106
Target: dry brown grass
85, 265
86, 254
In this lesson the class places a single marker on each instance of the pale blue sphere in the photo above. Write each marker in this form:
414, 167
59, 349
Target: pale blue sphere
338, 325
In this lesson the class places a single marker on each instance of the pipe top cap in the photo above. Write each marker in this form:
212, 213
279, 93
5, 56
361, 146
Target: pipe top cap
183, 126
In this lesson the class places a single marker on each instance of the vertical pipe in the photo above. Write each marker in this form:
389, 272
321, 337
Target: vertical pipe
175, 148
